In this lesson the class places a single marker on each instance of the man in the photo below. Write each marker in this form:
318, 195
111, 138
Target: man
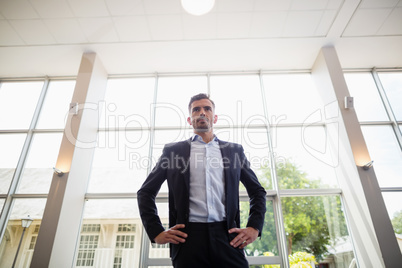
203, 175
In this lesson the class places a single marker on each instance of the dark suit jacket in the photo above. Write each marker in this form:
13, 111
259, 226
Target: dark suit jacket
174, 166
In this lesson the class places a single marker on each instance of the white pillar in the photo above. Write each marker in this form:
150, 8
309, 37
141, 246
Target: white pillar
60, 228
373, 236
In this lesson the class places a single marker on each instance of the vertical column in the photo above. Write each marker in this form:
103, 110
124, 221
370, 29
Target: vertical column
61, 221
374, 239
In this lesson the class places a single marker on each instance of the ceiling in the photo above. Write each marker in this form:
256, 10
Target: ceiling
48, 37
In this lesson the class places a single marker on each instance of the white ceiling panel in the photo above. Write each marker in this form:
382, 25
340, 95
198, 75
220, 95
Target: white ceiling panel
166, 27
378, 4
200, 27
366, 22
234, 25
8, 36
33, 32
89, 8
125, 7
309, 5
234, 5
155, 7
18, 9
132, 28
272, 5
238, 34
52, 9
393, 24
301, 23
100, 30
267, 24
66, 31
334, 4
325, 24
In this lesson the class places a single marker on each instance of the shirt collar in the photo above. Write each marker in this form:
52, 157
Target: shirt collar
197, 137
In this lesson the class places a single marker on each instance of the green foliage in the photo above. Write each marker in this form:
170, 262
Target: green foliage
397, 222
310, 221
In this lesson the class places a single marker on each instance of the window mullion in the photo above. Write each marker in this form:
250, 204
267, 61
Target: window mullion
388, 107
21, 162
279, 220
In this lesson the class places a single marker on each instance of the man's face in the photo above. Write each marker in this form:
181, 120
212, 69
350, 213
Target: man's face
202, 115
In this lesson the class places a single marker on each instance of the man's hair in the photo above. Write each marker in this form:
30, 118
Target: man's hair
197, 97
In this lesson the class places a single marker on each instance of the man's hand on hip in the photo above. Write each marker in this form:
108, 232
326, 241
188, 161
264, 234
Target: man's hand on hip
172, 235
245, 236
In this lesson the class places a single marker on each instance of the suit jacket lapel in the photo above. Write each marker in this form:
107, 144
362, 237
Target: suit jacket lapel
226, 158
186, 157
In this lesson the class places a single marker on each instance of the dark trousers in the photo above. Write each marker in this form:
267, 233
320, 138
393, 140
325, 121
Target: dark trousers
207, 246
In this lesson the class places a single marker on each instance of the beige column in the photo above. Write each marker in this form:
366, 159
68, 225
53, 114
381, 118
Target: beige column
60, 228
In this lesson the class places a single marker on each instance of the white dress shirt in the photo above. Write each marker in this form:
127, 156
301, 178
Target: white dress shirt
207, 183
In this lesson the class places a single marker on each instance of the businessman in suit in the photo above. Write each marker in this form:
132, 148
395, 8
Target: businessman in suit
203, 175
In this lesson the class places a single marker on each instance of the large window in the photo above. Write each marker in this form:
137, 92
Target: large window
285, 145
32, 120
378, 96
279, 120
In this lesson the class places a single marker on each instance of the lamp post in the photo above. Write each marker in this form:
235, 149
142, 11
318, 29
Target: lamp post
25, 223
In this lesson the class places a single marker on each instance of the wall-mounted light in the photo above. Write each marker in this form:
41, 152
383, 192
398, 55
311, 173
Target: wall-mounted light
349, 103
368, 165
58, 172
198, 7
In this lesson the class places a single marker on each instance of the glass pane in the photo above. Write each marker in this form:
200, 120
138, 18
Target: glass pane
386, 153
316, 225
56, 105
14, 232
256, 149
238, 100
11, 146
290, 98
367, 100
120, 162
392, 83
2, 204
303, 158
174, 94
102, 242
268, 244
17, 104
128, 103
38, 171
393, 202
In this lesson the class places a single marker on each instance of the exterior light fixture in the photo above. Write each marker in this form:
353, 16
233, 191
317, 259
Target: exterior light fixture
368, 165
58, 172
198, 7
25, 223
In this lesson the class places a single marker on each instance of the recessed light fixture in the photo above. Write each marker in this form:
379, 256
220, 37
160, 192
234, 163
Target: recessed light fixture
198, 7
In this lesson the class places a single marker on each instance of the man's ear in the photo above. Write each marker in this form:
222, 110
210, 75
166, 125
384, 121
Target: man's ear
215, 119
189, 120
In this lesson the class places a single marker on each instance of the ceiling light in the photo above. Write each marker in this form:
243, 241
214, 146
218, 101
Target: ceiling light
197, 7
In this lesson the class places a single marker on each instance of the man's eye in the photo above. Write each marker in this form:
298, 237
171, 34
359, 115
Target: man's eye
196, 109
207, 108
